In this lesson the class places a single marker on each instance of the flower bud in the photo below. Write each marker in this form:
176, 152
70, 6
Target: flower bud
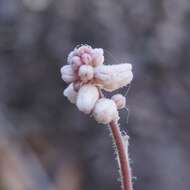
86, 58
87, 97
69, 57
119, 100
113, 77
97, 57
105, 111
84, 49
70, 93
86, 73
76, 62
67, 74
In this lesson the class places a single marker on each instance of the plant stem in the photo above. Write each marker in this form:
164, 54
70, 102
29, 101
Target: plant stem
123, 159
122, 156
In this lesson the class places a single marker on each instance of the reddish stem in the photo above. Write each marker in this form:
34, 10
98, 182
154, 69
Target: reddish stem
122, 156
123, 159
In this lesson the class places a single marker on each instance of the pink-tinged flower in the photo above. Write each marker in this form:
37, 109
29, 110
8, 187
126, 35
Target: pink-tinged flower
76, 62
67, 74
87, 96
97, 57
88, 75
86, 58
105, 111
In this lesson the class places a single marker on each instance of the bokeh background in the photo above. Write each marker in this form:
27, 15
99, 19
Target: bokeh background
45, 142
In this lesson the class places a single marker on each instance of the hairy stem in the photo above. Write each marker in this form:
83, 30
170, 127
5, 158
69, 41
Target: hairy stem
122, 156
123, 159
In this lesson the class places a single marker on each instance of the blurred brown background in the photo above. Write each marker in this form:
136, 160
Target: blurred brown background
45, 142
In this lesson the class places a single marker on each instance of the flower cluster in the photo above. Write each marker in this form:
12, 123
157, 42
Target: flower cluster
86, 75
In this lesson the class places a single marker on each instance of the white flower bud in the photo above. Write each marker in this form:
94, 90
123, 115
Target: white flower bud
75, 62
71, 55
97, 57
105, 111
67, 74
119, 100
87, 97
84, 49
70, 93
86, 73
86, 58
113, 77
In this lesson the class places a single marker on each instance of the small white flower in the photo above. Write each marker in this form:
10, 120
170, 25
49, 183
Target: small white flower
87, 96
105, 111
70, 93
75, 62
67, 74
97, 57
83, 49
113, 77
70, 56
86, 58
86, 73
